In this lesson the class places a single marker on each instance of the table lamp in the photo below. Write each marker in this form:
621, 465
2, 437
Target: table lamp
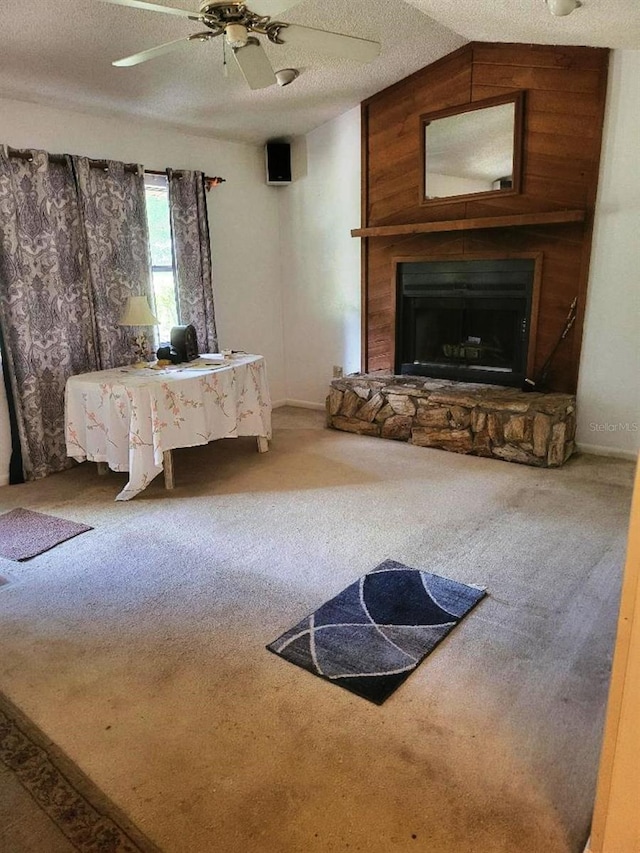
137, 312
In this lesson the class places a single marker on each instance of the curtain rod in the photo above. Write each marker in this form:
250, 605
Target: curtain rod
103, 164
209, 181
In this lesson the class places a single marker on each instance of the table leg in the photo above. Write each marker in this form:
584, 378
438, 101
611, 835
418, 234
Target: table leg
103, 468
263, 444
167, 461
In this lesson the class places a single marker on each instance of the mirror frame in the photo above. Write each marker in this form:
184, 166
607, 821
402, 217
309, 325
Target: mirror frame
515, 98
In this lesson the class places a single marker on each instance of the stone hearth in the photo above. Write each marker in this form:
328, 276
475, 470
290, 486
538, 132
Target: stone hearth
482, 420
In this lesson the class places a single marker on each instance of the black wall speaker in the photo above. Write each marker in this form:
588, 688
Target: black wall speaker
278, 159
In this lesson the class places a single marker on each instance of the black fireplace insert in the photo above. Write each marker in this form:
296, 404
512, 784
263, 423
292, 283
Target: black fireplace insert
465, 320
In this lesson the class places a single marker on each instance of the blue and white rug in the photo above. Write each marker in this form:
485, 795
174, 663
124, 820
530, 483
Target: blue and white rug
373, 634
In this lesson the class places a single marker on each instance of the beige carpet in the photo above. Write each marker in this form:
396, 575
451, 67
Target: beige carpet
47, 804
139, 646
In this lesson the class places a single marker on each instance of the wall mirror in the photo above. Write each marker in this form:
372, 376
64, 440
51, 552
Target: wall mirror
473, 150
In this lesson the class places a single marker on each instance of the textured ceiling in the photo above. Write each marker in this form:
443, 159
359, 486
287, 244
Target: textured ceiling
59, 52
598, 23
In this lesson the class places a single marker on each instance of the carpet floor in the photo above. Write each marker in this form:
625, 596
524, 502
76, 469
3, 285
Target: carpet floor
138, 649
47, 804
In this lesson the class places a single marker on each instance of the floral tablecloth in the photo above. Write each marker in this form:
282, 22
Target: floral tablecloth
129, 417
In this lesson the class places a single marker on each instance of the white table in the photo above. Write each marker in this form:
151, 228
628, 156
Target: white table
130, 419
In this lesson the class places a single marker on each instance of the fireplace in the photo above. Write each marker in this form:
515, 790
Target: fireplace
465, 319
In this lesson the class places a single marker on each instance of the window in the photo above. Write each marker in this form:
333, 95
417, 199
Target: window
164, 286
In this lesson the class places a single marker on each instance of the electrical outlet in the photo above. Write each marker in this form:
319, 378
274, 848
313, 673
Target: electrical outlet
337, 371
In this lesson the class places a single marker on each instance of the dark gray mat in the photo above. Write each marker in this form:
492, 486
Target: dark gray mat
372, 635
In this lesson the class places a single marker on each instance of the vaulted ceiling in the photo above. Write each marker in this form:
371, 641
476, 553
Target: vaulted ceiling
59, 52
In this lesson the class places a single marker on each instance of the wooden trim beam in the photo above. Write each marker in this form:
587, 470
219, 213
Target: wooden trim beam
554, 217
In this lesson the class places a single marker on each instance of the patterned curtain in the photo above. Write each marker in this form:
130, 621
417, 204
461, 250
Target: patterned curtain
45, 313
115, 227
192, 255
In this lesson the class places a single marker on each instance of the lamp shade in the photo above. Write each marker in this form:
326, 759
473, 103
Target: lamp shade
137, 313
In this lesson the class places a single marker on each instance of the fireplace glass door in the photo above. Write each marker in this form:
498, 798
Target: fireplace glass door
465, 323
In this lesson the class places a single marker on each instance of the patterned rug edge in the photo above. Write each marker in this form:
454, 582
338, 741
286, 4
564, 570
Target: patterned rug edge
87, 818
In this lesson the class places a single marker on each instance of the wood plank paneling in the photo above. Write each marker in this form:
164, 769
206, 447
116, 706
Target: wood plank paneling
560, 169
563, 124
564, 107
563, 80
552, 144
395, 159
585, 106
537, 56
539, 100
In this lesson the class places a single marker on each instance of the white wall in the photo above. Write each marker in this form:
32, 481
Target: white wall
320, 259
609, 383
243, 215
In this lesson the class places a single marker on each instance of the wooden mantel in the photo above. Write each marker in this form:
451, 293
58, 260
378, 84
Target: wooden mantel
553, 217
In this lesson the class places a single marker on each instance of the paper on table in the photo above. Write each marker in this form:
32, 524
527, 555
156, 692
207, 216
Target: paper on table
211, 357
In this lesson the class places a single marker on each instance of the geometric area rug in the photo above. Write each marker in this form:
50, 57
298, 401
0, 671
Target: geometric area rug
25, 533
373, 634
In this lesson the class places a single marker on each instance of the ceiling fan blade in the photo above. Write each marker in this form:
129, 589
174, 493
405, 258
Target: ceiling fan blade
349, 47
144, 55
255, 65
271, 7
155, 7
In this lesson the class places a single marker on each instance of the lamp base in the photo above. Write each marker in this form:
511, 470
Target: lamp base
141, 350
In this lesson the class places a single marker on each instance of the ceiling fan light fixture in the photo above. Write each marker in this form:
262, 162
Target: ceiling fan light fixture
561, 8
286, 76
236, 35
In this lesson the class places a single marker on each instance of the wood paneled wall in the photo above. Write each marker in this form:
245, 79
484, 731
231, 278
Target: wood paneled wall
563, 115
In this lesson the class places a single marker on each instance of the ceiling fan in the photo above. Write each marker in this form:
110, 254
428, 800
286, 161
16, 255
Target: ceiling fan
233, 20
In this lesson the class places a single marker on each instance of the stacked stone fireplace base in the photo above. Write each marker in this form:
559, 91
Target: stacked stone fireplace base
482, 420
